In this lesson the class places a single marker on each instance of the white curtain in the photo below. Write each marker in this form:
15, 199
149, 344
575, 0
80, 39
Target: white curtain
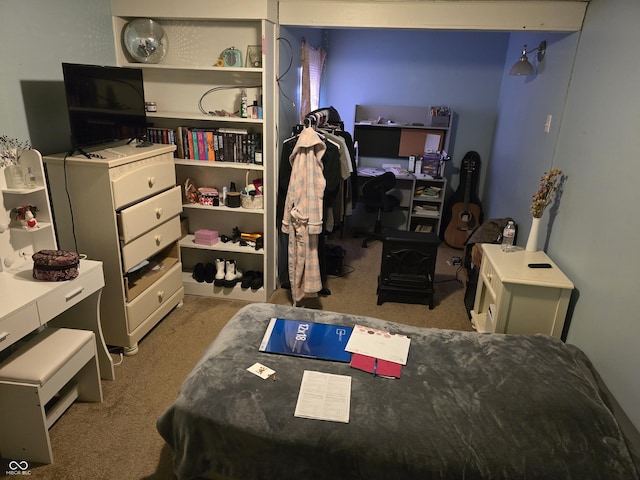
312, 64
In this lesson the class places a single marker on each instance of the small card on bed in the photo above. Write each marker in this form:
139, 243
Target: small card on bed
324, 396
261, 371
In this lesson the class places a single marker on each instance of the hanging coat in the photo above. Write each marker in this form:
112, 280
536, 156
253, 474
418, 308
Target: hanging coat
303, 214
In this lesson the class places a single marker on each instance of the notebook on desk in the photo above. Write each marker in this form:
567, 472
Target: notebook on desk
307, 339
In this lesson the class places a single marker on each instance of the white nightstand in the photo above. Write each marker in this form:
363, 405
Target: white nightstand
523, 300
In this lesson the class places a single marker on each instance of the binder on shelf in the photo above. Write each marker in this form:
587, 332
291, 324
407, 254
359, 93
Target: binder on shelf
307, 339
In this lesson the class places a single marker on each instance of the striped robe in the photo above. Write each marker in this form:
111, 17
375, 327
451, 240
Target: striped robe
303, 214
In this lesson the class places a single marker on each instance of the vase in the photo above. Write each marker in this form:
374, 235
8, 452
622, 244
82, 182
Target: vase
532, 241
14, 176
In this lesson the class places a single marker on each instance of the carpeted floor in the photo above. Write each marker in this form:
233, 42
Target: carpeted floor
117, 439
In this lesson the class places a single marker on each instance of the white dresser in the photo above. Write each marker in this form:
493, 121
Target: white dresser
511, 297
122, 206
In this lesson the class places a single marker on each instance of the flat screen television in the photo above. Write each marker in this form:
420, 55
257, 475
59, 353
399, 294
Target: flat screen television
105, 104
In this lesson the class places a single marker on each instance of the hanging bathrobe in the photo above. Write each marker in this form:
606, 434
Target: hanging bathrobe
303, 214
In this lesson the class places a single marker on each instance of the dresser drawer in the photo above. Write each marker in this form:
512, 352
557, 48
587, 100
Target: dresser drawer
137, 180
150, 243
18, 324
154, 297
72, 292
142, 217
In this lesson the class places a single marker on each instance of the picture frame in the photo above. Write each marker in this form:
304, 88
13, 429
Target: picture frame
254, 56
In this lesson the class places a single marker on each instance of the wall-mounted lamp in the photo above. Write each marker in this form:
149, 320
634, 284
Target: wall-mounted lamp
523, 66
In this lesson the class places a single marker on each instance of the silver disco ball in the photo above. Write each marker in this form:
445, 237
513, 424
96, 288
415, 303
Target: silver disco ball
145, 40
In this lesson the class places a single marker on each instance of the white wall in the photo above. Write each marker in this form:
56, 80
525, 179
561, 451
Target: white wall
36, 37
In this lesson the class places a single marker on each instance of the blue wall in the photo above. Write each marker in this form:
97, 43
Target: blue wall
421, 68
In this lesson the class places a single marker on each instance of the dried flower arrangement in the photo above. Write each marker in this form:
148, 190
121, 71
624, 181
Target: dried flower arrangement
11, 149
544, 195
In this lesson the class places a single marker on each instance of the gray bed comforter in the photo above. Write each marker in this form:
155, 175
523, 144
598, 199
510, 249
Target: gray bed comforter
467, 406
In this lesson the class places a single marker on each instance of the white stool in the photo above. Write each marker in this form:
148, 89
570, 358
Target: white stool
38, 382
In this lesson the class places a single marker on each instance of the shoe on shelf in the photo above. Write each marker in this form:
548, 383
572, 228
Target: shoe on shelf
258, 281
247, 278
198, 272
209, 272
232, 275
218, 278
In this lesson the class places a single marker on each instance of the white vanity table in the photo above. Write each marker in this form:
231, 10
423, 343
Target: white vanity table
28, 303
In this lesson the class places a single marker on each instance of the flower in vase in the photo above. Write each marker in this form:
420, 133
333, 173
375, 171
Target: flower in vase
11, 149
544, 195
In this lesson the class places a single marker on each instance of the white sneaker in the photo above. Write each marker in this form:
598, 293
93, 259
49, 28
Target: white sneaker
232, 275
218, 279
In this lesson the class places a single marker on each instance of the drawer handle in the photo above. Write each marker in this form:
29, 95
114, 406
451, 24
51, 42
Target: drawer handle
158, 239
3, 336
75, 293
152, 181
489, 276
161, 295
158, 212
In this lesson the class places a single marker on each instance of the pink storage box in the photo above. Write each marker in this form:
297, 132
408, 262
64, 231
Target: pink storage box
206, 237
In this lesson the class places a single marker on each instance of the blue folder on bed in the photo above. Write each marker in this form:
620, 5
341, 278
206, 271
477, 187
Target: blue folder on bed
307, 339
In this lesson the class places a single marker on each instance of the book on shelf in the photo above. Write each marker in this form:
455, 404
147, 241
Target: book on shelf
210, 144
307, 339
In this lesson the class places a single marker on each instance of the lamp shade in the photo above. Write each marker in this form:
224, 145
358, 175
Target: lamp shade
522, 67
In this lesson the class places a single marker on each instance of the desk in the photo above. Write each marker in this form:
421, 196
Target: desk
28, 304
421, 197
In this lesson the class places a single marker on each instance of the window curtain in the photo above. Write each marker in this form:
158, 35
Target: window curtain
312, 64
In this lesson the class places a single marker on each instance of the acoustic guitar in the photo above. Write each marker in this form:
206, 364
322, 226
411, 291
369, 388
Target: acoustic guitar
466, 215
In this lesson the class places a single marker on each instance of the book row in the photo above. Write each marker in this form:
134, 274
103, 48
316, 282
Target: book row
212, 145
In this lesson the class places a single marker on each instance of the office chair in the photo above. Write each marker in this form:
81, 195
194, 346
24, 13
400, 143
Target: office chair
376, 199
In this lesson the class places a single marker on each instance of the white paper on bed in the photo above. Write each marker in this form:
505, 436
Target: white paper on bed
324, 396
388, 346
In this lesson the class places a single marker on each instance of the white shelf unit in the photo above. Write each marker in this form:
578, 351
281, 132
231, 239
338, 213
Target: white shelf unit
198, 32
17, 243
426, 210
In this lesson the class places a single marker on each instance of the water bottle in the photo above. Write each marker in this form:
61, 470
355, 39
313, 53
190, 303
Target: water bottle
508, 235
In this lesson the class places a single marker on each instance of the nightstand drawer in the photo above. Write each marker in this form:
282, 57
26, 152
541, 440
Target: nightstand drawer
154, 297
150, 243
142, 217
72, 292
137, 180
491, 280
17, 325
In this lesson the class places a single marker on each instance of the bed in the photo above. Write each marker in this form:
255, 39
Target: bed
467, 405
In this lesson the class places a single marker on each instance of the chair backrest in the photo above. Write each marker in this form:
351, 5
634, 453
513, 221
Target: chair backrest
374, 190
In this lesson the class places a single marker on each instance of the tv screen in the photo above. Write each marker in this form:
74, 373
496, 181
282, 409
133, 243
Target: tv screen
105, 104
